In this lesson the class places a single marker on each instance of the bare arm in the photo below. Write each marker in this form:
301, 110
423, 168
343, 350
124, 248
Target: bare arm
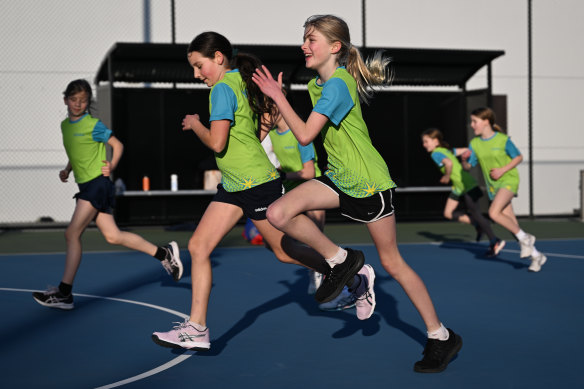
307, 172
498, 172
464, 156
215, 137
458, 151
64, 174
305, 132
445, 179
117, 151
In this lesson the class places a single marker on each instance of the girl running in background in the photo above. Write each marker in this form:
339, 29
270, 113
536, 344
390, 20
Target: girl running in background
357, 179
499, 158
85, 139
249, 181
464, 187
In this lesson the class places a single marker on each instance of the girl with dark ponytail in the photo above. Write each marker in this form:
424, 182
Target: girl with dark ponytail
249, 181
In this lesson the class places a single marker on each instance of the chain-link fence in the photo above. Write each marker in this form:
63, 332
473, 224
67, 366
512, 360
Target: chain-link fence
45, 45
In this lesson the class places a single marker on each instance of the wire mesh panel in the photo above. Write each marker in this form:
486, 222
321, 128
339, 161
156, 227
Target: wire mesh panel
44, 47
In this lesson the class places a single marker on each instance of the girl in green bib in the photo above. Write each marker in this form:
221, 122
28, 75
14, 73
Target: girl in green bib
85, 139
499, 157
249, 181
357, 179
464, 188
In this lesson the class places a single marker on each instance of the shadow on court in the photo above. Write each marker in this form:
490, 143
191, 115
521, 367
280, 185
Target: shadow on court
296, 294
478, 250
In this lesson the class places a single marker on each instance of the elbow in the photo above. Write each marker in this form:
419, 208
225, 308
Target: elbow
304, 141
307, 174
218, 147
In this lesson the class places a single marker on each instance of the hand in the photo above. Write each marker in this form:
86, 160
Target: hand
264, 80
466, 155
189, 121
444, 179
64, 175
106, 169
497, 173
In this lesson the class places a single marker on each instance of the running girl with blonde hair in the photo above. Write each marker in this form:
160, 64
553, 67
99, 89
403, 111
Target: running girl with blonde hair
357, 179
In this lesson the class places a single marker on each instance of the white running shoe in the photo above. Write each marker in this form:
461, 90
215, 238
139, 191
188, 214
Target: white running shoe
172, 263
527, 245
314, 281
537, 262
344, 300
364, 295
184, 335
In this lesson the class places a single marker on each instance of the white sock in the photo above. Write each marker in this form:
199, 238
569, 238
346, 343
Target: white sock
534, 253
440, 334
197, 326
521, 235
338, 258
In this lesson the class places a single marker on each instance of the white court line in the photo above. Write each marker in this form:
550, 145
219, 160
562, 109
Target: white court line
548, 254
156, 370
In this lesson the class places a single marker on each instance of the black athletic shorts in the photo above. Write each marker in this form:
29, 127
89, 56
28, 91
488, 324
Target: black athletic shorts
100, 192
255, 201
366, 209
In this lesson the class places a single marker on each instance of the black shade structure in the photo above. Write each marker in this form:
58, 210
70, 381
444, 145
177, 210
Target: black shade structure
147, 120
162, 62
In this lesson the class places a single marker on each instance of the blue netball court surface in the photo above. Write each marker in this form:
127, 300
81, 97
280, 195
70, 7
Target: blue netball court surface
520, 329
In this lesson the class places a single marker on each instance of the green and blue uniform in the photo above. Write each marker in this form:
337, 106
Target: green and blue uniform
243, 162
461, 180
84, 141
495, 152
353, 165
292, 155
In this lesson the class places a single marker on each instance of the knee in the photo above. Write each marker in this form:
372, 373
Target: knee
276, 217
112, 237
493, 214
393, 265
73, 234
70, 234
198, 250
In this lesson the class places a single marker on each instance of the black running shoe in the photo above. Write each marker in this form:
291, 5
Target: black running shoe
339, 275
495, 248
438, 353
53, 298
